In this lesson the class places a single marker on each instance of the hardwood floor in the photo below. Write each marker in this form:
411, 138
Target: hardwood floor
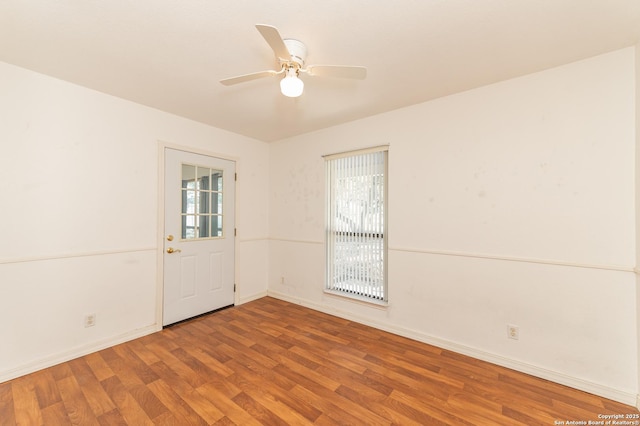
272, 362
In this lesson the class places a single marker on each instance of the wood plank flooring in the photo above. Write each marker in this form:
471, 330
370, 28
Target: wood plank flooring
275, 363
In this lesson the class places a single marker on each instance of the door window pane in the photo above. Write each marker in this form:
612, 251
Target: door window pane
188, 201
188, 176
216, 179
203, 178
188, 227
216, 202
216, 226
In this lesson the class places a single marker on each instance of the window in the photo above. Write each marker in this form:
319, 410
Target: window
201, 202
356, 224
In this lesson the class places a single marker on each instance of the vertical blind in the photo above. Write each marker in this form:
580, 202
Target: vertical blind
356, 224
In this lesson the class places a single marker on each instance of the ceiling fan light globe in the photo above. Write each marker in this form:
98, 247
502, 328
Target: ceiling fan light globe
291, 86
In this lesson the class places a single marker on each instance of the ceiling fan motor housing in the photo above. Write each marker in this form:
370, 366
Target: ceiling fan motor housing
298, 51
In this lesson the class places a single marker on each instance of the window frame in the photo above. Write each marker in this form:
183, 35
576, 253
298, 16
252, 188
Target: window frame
330, 230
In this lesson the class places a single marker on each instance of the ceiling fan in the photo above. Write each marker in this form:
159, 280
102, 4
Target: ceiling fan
291, 55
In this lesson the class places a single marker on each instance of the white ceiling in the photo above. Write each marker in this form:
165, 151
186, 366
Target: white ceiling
170, 54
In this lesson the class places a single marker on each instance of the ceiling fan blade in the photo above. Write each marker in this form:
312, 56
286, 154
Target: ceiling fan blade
247, 77
338, 71
272, 36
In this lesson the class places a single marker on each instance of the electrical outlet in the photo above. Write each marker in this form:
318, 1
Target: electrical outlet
513, 332
282, 280
90, 320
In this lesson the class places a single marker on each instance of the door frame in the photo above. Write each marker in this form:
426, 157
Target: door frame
162, 145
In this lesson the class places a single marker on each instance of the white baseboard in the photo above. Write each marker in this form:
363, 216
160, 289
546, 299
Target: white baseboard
554, 376
77, 352
251, 298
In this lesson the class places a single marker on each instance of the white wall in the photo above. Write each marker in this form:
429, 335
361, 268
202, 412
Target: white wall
79, 224
509, 204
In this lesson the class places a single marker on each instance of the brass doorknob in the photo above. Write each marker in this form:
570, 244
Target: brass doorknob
172, 250
169, 237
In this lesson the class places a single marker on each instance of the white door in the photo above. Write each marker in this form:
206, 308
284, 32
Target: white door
199, 234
